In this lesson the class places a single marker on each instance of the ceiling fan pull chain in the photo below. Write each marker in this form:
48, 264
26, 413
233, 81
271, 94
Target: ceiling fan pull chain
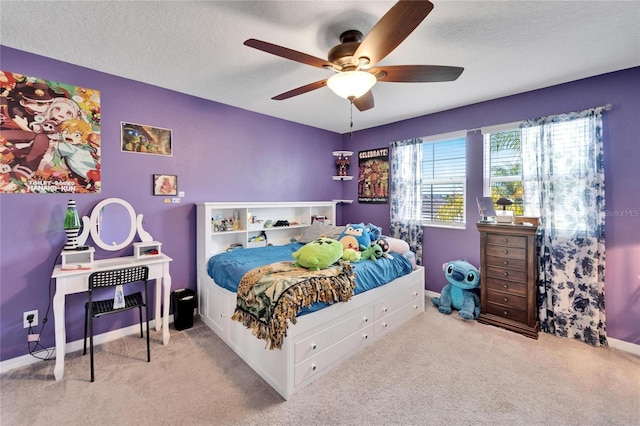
351, 129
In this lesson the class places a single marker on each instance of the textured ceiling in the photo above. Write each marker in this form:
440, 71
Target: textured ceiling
195, 47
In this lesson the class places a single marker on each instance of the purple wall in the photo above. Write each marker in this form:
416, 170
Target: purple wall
220, 153
223, 153
622, 178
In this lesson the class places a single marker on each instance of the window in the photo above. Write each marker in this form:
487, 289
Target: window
503, 165
444, 180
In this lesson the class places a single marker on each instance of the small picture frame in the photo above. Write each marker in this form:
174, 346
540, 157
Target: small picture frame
165, 185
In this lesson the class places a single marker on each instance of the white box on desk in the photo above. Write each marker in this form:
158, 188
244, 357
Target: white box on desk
147, 249
77, 259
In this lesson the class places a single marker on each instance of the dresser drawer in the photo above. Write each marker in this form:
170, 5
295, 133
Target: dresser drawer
511, 287
507, 240
506, 274
508, 300
318, 342
517, 315
505, 262
506, 252
314, 365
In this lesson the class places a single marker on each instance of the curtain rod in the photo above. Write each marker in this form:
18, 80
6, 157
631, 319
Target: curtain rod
607, 107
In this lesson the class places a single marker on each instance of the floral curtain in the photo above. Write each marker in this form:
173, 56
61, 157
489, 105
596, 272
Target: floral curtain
563, 183
405, 194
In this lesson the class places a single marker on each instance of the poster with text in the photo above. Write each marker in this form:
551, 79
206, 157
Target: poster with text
373, 176
49, 136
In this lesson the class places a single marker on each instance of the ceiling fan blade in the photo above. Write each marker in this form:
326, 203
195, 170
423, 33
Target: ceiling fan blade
287, 53
300, 90
364, 102
392, 29
416, 73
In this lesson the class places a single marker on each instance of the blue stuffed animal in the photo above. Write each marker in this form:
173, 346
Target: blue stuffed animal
460, 292
354, 236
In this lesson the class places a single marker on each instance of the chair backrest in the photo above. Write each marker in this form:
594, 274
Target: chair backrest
116, 277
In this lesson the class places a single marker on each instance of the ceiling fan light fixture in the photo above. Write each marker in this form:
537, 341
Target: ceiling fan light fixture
351, 84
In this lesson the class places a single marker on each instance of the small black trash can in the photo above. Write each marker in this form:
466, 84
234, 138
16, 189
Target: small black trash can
184, 302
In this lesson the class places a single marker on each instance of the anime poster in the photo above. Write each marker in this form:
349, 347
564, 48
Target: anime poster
373, 176
49, 136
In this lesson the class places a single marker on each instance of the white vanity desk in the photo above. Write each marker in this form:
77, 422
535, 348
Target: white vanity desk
72, 276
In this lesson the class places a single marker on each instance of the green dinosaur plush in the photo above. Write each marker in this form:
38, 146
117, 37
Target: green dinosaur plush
351, 255
373, 252
319, 254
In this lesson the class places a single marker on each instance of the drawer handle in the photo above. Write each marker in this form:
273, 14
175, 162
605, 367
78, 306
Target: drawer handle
314, 346
313, 367
505, 313
415, 293
506, 274
385, 325
365, 319
365, 336
505, 251
415, 306
505, 240
384, 309
506, 262
506, 300
505, 285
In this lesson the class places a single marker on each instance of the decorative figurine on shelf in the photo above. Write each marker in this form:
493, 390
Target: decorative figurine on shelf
342, 162
71, 226
460, 293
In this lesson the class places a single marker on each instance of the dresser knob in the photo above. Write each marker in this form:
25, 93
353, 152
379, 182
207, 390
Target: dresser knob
365, 336
314, 346
506, 299
505, 285
506, 274
506, 240
385, 325
506, 262
505, 251
505, 313
313, 367
365, 319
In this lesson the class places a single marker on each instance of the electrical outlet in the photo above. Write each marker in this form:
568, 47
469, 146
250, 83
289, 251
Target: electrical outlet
25, 322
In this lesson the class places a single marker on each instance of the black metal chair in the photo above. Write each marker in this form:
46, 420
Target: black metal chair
98, 308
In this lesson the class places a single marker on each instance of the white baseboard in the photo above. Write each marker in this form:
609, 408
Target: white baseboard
620, 345
77, 345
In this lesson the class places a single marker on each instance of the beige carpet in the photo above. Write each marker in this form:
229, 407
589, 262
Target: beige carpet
436, 370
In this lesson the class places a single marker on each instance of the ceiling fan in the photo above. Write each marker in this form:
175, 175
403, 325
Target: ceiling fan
354, 59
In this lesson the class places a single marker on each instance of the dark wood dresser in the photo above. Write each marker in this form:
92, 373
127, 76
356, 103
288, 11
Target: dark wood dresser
508, 277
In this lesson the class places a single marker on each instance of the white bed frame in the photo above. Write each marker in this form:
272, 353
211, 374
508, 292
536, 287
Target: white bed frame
319, 341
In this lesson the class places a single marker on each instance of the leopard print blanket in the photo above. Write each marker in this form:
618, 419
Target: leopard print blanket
270, 296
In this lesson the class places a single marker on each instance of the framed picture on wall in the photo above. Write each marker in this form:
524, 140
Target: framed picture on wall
165, 185
373, 176
144, 139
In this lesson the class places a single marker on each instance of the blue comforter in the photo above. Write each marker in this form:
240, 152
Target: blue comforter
228, 268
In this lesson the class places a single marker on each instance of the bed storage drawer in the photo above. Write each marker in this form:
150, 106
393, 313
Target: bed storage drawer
386, 307
318, 342
396, 318
315, 364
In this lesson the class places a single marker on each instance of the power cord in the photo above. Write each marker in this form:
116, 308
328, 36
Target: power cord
34, 346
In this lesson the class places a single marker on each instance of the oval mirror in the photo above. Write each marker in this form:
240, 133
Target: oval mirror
113, 224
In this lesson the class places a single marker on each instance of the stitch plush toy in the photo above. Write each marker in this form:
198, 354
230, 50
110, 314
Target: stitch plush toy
460, 293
